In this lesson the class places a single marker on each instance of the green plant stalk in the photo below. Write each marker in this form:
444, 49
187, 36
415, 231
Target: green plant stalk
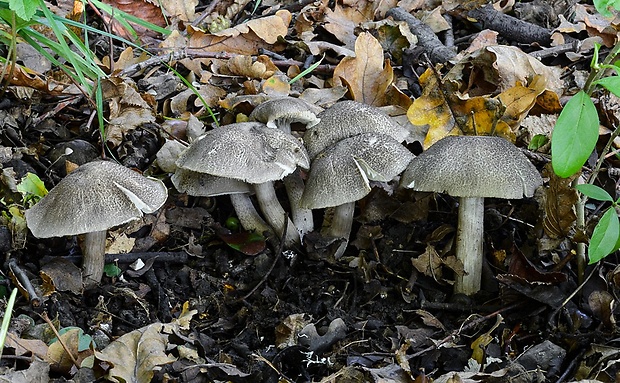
580, 207
4, 328
599, 71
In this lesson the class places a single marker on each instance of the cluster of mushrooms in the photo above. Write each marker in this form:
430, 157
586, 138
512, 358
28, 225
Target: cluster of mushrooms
344, 149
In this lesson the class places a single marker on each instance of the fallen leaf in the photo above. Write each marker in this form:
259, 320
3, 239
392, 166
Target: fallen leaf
134, 355
367, 75
246, 38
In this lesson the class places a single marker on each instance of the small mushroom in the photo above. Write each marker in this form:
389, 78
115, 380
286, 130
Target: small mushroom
95, 197
207, 185
281, 112
346, 119
472, 168
341, 175
253, 153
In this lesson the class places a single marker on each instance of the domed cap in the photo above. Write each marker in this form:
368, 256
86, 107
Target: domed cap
281, 112
95, 197
341, 173
346, 119
473, 166
247, 151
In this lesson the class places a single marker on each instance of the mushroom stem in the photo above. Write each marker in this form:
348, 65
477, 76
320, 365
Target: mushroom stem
247, 214
341, 224
469, 240
93, 254
302, 218
275, 214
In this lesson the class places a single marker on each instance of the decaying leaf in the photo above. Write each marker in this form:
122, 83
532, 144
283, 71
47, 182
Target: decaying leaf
244, 39
430, 263
288, 330
367, 75
471, 89
559, 205
135, 355
342, 21
76, 342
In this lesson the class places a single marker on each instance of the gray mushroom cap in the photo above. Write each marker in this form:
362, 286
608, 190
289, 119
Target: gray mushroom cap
473, 166
342, 172
247, 151
95, 197
206, 185
284, 111
346, 119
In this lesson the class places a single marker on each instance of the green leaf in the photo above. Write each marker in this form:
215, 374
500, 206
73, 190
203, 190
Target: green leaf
574, 135
24, 9
605, 236
611, 83
538, 141
111, 270
594, 192
602, 6
31, 187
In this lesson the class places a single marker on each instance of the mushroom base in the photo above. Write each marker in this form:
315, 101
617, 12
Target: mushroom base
247, 214
469, 240
341, 224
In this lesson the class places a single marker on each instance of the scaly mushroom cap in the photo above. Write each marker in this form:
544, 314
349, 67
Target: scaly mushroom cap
473, 166
206, 185
346, 119
282, 112
247, 151
341, 173
95, 197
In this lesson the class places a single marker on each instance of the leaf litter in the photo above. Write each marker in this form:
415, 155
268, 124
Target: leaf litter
240, 308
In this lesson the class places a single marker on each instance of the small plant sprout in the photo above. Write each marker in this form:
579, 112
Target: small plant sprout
574, 138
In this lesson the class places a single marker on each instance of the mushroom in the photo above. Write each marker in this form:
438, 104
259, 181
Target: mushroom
93, 198
346, 119
253, 153
281, 112
472, 168
341, 175
207, 185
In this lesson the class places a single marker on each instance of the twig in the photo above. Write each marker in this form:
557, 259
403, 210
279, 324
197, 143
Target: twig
427, 39
62, 343
25, 283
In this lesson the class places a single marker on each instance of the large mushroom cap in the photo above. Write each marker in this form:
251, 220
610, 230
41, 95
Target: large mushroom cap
247, 151
342, 172
95, 197
346, 119
473, 166
281, 112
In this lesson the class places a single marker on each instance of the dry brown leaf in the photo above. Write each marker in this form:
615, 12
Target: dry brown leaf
560, 199
184, 10
246, 38
430, 263
144, 10
367, 75
342, 21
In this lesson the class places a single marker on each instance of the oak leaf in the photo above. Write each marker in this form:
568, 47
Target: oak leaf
367, 75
